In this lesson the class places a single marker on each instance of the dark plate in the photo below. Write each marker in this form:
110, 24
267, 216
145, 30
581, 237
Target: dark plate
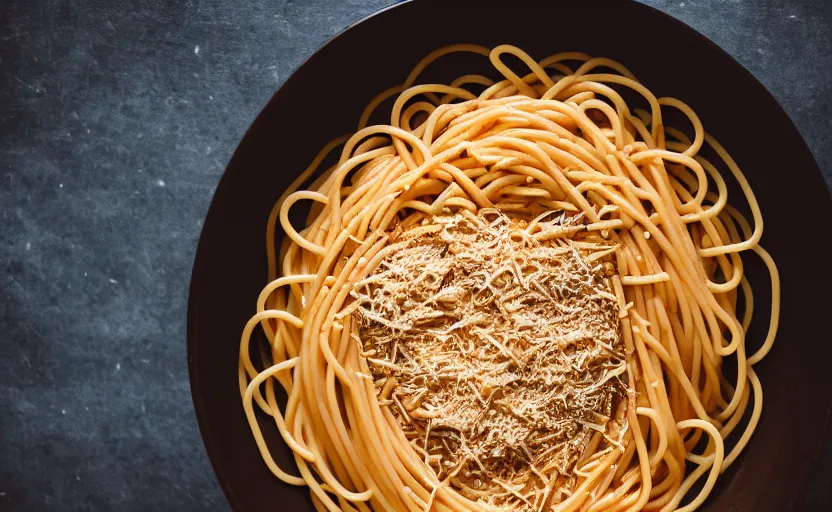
324, 99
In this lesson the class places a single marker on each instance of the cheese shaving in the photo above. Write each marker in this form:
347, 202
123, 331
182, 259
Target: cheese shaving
508, 343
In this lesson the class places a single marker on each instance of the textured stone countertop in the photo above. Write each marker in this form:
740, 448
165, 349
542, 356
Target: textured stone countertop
117, 119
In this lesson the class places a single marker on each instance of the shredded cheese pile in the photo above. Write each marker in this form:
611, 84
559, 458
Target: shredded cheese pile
495, 342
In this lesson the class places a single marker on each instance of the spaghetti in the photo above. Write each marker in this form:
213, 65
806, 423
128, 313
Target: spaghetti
539, 243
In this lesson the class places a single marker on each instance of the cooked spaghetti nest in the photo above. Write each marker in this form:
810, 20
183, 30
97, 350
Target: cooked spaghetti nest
516, 300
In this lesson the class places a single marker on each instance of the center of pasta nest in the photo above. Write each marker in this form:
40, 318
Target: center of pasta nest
497, 350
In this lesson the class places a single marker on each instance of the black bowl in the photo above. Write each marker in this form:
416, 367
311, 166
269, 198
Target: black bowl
324, 98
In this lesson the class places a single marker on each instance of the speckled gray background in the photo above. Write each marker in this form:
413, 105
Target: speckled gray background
116, 121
